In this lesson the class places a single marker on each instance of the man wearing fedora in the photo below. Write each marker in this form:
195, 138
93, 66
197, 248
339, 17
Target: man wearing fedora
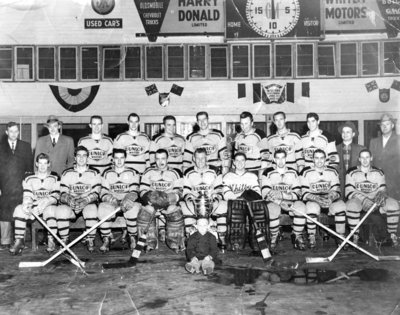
348, 151
386, 152
58, 147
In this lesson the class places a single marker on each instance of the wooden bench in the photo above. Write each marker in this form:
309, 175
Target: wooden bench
79, 223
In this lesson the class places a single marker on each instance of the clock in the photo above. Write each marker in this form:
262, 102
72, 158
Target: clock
272, 18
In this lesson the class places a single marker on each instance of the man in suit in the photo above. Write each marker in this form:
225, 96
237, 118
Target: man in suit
348, 151
58, 147
386, 152
15, 162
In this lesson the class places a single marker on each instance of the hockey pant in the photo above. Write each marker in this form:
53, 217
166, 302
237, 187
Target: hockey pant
275, 211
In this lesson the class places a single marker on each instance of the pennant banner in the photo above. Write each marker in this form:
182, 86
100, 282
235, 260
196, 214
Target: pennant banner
74, 100
384, 95
241, 90
396, 85
164, 99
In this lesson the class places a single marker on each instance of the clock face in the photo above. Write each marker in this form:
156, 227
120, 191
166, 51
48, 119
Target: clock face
272, 18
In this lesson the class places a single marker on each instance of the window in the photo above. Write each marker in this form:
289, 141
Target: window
370, 58
197, 61
154, 62
305, 60
262, 61
176, 62
24, 66
391, 51
68, 63
348, 59
133, 69
326, 60
219, 62
5, 64
240, 61
46, 63
283, 60
153, 129
89, 63
111, 63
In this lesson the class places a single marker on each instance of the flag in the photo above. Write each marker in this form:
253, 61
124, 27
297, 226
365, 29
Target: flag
396, 85
290, 92
305, 89
371, 86
151, 89
241, 90
256, 92
176, 89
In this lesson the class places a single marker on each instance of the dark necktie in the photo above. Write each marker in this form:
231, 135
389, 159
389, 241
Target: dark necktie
54, 142
13, 147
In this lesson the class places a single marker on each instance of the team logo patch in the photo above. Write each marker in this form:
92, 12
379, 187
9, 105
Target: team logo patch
273, 93
321, 187
244, 148
282, 187
119, 188
210, 149
134, 150
80, 188
161, 185
97, 154
174, 151
309, 152
202, 187
366, 187
287, 148
238, 189
41, 193
384, 95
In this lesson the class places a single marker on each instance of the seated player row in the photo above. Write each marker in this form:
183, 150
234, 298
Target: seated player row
81, 188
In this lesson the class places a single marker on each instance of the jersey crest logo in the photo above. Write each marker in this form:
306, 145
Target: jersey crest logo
161, 185
244, 148
41, 193
202, 187
97, 154
210, 149
308, 153
80, 188
321, 187
282, 187
238, 189
174, 151
119, 188
366, 187
134, 150
287, 148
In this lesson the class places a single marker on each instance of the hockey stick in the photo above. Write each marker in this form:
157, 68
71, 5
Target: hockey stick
74, 259
313, 260
261, 241
30, 264
140, 245
376, 257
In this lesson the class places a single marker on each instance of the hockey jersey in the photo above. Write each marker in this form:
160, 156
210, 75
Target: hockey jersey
119, 184
234, 184
175, 147
288, 182
323, 141
206, 181
360, 185
37, 188
289, 142
80, 184
213, 142
320, 183
100, 151
137, 150
255, 146
169, 180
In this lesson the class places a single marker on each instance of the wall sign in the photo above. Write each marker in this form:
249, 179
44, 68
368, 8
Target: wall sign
272, 19
103, 23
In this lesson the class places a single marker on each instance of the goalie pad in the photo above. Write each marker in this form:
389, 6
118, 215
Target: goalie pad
261, 217
143, 219
158, 199
175, 229
236, 224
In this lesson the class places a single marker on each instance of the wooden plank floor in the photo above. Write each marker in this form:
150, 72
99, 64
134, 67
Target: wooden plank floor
160, 285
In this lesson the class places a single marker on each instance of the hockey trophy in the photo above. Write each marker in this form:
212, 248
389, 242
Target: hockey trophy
203, 205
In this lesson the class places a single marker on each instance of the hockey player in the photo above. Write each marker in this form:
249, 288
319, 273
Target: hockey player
41, 194
170, 141
285, 139
199, 180
212, 140
99, 145
362, 186
315, 139
253, 143
80, 189
120, 188
136, 144
168, 180
281, 188
321, 189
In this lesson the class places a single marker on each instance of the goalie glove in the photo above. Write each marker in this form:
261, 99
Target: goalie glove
128, 202
173, 198
157, 199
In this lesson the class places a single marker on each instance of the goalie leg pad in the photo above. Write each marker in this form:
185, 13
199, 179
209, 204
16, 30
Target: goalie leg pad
175, 235
261, 217
189, 217
143, 219
236, 223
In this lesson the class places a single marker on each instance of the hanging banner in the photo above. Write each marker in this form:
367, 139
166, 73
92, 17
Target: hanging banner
272, 19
